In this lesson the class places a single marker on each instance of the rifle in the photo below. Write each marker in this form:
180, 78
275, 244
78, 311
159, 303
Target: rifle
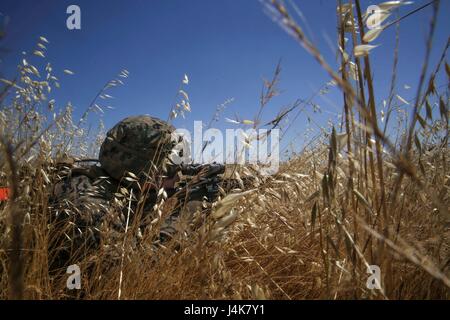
203, 184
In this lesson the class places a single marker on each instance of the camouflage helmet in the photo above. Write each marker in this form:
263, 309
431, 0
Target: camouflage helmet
134, 144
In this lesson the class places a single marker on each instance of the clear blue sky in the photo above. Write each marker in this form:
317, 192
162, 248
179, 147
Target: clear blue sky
225, 47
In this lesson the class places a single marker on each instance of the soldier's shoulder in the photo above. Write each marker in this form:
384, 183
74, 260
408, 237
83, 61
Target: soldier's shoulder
78, 180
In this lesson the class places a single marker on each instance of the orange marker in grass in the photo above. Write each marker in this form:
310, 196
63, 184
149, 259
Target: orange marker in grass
4, 193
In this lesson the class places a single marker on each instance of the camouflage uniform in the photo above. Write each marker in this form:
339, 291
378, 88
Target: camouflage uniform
84, 217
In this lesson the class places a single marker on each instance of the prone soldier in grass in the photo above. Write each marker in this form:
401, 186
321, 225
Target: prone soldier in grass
95, 205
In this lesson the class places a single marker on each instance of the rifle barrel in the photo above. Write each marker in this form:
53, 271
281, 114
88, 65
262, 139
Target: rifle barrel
210, 169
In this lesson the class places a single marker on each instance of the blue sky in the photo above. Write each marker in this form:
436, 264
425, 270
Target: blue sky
225, 47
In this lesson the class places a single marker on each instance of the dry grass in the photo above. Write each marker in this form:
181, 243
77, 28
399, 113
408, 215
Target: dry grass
350, 199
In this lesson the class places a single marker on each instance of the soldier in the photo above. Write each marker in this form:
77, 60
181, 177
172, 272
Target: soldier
85, 215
